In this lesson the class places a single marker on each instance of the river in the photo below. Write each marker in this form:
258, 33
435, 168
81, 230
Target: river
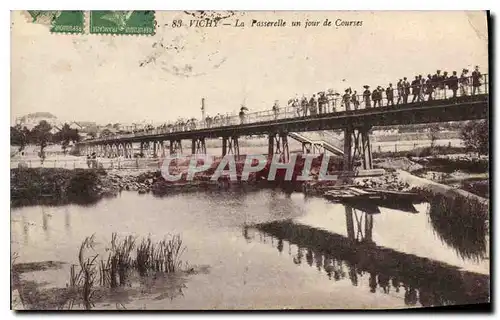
249, 261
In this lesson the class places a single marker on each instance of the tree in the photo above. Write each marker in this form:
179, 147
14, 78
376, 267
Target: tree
92, 134
41, 136
106, 133
65, 135
19, 137
475, 135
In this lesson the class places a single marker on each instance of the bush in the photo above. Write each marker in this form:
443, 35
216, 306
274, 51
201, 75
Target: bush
475, 135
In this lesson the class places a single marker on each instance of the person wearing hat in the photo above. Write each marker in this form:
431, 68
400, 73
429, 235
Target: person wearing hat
346, 99
406, 90
443, 83
276, 109
322, 103
375, 97
422, 87
453, 84
476, 81
389, 92
429, 85
464, 82
354, 100
380, 98
295, 105
366, 96
313, 105
399, 86
435, 83
415, 89
304, 105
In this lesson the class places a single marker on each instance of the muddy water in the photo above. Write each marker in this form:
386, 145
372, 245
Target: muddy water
267, 249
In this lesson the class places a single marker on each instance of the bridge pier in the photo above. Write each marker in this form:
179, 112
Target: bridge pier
155, 154
175, 147
230, 145
119, 148
278, 144
110, 150
162, 145
125, 150
359, 225
357, 146
130, 149
198, 146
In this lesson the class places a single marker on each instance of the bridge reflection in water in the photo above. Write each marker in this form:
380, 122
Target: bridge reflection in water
421, 281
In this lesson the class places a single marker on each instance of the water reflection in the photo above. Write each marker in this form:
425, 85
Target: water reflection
45, 223
462, 230
25, 229
67, 221
357, 257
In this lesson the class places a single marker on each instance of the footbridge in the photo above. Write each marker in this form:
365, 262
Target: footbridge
278, 125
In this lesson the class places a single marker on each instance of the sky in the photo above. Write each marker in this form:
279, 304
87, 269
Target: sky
126, 79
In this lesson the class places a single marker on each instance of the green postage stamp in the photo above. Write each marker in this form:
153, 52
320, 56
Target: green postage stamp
60, 21
122, 22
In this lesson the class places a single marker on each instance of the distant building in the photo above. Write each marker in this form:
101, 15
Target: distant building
75, 125
55, 129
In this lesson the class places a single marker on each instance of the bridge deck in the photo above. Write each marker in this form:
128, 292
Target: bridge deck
457, 109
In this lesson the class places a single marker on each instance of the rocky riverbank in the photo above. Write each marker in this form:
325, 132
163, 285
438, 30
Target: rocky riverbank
60, 186
54, 186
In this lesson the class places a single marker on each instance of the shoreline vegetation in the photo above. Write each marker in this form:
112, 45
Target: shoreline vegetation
127, 265
57, 186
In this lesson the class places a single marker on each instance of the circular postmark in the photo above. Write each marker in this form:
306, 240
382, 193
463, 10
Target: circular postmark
186, 51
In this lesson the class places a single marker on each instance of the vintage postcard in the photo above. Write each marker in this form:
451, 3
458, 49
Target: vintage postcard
249, 160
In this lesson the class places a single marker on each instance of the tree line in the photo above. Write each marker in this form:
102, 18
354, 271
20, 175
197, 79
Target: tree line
41, 135
475, 135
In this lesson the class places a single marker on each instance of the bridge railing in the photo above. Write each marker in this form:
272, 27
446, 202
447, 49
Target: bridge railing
422, 92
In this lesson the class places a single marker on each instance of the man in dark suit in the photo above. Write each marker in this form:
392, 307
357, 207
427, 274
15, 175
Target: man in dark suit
415, 88
346, 99
476, 81
399, 86
406, 90
354, 100
389, 92
453, 84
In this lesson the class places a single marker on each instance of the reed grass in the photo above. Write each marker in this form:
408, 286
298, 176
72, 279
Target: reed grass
82, 282
163, 256
113, 271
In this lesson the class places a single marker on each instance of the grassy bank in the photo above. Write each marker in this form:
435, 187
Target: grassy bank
47, 185
420, 152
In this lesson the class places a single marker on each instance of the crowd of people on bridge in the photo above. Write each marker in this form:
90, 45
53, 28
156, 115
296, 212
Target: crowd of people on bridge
440, 85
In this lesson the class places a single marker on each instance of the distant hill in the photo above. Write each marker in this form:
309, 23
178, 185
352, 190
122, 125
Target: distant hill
35, 115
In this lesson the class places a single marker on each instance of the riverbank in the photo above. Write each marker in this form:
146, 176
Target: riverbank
56, 186
31, 186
